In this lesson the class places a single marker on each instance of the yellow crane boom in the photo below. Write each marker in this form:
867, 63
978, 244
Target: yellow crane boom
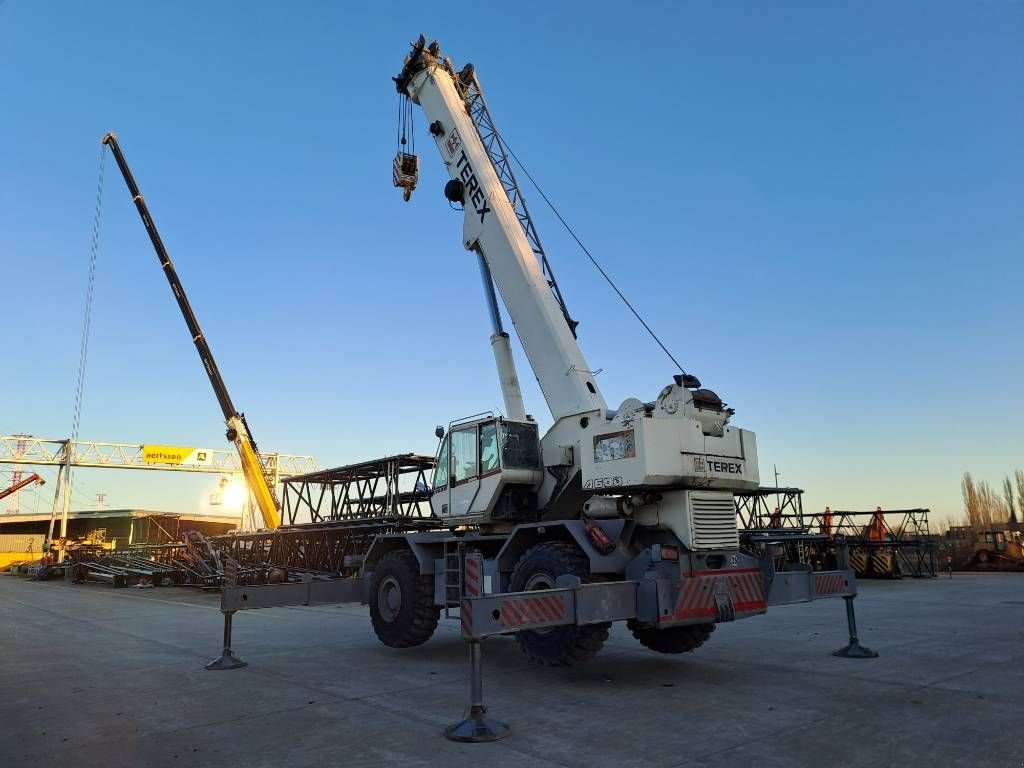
256, 475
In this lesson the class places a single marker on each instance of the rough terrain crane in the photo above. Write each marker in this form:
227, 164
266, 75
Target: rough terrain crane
613, 515
625, 513
257, 477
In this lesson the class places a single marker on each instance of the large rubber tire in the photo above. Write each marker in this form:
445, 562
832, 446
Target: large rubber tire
672, 639
402, 606
563, 646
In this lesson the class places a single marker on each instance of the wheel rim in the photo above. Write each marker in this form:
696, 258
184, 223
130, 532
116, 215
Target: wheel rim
539, 581
389, 598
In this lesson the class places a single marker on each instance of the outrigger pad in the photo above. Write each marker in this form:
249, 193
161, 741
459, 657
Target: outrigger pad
476, 728
228, 660
855, 651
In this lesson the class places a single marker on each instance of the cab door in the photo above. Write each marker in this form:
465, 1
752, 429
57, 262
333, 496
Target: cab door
440, 501
464, 472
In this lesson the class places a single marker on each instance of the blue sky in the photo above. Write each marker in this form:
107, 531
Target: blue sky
817, 206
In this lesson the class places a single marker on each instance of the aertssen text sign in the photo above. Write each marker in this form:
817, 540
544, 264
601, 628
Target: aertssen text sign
175, 454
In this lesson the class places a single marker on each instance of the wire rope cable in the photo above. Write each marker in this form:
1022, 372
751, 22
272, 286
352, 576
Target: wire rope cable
589, 255
90, 292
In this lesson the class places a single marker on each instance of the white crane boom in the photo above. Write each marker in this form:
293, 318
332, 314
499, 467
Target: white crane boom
491, 228
671, 463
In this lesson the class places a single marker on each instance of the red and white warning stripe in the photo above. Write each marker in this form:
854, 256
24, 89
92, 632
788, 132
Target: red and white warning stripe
748, 591
696, 599
828, 584
525, 612
472, 587
473, 582
697, 594
466, 616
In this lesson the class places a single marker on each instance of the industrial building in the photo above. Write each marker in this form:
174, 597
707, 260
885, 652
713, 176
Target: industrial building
22, 536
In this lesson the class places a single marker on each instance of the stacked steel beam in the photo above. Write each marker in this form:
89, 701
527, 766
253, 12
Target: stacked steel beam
884, 543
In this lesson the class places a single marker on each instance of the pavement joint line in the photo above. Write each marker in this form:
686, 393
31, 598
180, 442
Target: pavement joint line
119, 595
106, 626
974, 671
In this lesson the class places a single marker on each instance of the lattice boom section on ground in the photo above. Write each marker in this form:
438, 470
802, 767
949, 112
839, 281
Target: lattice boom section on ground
391, 487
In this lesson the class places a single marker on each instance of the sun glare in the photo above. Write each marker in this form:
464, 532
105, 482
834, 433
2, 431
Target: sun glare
234, 494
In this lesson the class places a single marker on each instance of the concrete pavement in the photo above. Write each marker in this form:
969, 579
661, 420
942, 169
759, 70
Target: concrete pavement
93, 676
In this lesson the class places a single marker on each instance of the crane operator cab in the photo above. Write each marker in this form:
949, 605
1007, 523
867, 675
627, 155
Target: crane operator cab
487, 470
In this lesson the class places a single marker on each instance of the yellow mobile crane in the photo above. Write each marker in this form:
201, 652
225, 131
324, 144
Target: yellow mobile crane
256, 475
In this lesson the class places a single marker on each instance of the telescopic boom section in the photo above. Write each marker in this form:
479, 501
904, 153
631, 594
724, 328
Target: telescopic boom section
256, 475
492, 229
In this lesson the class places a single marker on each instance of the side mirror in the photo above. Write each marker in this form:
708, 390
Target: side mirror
439, 432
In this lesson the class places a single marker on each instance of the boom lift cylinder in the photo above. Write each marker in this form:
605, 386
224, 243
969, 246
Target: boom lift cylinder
500, 344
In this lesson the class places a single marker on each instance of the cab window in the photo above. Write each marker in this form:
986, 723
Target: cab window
488, 447
441, 470
464, 454
520, 446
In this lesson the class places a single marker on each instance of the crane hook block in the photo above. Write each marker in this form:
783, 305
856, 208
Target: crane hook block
406, 173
